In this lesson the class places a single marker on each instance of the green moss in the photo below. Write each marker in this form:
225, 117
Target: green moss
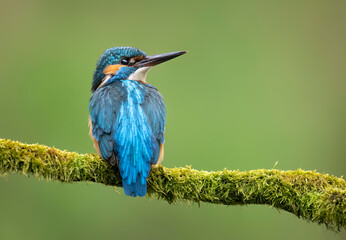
310, 195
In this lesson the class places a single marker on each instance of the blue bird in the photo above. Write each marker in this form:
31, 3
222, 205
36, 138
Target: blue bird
128, 115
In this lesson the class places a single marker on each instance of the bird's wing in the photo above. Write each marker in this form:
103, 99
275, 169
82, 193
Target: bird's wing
104, 106
155, 110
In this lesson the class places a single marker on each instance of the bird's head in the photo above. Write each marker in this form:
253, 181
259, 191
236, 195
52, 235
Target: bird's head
120, 63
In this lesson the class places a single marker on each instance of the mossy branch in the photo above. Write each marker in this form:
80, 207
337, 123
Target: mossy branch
313, 196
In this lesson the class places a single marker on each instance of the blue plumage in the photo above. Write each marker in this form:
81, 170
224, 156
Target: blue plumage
127, 116
134, 139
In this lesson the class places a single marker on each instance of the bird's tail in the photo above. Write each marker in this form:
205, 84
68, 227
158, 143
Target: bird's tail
134, 189
134, 170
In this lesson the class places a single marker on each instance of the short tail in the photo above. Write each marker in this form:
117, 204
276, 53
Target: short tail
138, 188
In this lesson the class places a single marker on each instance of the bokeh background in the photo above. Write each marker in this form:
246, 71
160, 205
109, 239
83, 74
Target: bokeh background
263, 81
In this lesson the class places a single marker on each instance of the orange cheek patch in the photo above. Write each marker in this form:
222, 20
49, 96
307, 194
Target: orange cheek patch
112, 69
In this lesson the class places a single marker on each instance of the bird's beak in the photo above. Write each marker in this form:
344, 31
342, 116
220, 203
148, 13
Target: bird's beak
150, 61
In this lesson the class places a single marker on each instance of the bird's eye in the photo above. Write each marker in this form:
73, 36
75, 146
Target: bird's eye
124, 61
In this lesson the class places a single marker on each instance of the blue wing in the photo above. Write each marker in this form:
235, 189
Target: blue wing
155, 110
104, 106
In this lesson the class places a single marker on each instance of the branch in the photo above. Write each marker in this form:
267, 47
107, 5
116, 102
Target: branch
313, 196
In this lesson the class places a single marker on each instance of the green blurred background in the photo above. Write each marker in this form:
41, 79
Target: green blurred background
263, 81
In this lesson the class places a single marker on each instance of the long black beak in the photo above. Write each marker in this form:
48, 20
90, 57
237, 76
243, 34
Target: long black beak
150, 61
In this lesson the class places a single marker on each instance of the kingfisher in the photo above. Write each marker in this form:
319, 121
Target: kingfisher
128, 115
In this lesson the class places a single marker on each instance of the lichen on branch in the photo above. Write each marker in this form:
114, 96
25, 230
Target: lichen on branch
310, 195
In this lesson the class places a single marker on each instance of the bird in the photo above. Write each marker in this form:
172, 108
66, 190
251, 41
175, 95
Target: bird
127, 115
